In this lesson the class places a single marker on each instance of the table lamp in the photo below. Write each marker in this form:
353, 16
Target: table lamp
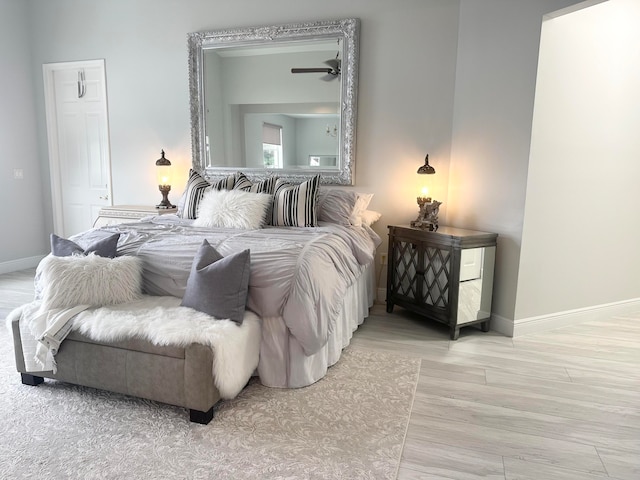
163, 172
429, 208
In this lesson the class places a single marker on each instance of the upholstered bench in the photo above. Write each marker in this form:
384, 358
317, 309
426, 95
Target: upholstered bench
184, 376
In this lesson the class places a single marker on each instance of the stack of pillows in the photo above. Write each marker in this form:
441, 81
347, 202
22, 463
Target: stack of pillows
95, 276
236, 202
73, 275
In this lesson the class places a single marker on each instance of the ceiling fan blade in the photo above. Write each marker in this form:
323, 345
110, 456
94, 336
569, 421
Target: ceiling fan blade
334, 63
329, 77
311, 70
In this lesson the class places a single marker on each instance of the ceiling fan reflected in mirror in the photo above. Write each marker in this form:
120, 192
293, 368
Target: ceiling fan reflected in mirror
332, 70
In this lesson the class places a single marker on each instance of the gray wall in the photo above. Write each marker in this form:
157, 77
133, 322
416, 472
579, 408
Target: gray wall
452, 78
24, 234
495, 88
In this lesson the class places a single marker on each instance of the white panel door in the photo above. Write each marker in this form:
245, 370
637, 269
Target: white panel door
77, 127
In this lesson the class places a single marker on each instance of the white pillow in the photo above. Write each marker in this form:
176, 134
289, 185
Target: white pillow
361, 205
233, 209
369, 217
336, 206
89, 280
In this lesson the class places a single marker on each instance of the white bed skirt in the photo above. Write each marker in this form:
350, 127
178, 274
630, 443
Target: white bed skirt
283, 362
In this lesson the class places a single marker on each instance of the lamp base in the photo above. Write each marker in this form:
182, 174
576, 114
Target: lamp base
165, 203
428, 215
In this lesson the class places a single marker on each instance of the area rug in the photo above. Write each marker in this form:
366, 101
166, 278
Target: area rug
349, 425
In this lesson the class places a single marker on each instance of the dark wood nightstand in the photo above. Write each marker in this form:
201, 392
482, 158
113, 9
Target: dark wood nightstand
445, 275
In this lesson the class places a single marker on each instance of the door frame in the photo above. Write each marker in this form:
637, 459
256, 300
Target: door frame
48, 71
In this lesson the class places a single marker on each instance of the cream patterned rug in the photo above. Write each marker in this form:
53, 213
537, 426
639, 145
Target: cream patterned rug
349, 425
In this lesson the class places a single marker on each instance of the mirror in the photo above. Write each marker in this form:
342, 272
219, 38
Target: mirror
476, 284
275, 100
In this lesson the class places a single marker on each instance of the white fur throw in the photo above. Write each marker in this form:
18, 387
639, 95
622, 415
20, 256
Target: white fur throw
162, 321
89, 280
233, 209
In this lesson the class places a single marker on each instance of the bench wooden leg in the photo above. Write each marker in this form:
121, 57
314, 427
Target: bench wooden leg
31, 379
201, 417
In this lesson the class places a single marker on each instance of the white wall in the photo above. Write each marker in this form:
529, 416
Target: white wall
582, 215
23, 231
313, 139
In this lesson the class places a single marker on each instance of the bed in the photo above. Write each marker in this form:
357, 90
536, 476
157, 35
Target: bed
311, 286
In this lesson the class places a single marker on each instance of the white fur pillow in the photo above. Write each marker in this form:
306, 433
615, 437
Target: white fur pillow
233, 209
89, 280
361, 205
369, 217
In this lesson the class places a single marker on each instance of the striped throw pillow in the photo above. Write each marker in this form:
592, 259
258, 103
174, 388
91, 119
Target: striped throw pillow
193, 192
226, 183
296, 205
268, 185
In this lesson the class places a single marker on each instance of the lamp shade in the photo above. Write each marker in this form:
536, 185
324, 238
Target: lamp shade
163, 170
426, 168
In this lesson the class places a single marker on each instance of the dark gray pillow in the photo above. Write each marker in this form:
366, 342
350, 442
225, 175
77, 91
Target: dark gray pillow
105, 247
218, 285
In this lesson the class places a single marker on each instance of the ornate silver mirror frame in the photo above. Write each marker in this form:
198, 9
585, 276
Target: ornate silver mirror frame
345, 31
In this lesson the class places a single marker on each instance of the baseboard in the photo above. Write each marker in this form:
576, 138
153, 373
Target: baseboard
543, 323
20, 264
502, 325
526, 326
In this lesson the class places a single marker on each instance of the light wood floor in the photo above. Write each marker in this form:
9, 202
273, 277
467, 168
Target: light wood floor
558, 405
564, 404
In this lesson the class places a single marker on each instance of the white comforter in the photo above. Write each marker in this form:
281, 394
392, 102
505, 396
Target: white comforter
299, 274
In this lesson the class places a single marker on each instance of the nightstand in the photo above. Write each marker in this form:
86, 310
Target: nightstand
445, 275
128, 213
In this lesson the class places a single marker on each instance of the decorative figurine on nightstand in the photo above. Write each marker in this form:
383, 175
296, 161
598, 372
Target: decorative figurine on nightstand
428, 215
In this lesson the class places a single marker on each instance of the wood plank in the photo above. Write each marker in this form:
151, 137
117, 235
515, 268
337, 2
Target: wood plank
527, 401
496, 441
588, 432
620, 463
593, 394
422, 460
516, 469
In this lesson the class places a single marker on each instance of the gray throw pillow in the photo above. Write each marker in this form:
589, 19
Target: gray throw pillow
105, 247
218, 285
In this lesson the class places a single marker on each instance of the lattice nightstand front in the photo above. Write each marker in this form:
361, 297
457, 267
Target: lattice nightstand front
446, 275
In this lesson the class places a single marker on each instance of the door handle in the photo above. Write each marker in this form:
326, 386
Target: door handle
104, 197
81, 85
